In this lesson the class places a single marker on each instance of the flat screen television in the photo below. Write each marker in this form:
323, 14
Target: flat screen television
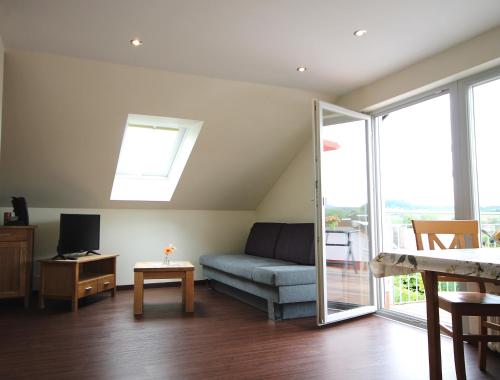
79, 233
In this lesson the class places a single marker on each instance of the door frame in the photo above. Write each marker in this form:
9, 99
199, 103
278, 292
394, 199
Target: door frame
320, 243
460, 189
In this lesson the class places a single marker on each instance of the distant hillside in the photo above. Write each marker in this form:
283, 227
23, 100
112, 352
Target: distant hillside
404, 205
399, 205
491, 208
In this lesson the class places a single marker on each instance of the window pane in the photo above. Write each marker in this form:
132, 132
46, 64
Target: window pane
154, 152
345, 193
148, 151
416, 175
487, 134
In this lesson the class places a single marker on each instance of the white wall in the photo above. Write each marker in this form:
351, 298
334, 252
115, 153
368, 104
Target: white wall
292, 197
64, 120
141, 235
289, 198
2, 56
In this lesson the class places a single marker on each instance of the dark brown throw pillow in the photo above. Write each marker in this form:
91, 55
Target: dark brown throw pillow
262, 239
296, 243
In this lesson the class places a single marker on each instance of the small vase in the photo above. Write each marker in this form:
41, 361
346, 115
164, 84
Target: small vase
166, 260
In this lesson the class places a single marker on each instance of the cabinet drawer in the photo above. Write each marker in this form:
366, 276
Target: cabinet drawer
106, 283
13, 234
13, 271
87, 288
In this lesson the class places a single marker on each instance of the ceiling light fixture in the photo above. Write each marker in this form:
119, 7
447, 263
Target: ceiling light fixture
301, 69
360, 32
136, 42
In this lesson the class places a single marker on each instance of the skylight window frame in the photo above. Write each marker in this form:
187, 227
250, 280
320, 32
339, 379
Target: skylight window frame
134, 187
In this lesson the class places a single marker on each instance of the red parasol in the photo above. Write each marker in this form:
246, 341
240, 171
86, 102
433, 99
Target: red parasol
330, 145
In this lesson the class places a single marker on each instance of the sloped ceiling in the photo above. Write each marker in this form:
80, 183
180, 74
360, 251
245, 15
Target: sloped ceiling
64, 119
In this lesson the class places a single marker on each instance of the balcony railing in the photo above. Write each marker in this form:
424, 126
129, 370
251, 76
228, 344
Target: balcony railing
406, 289
410, 288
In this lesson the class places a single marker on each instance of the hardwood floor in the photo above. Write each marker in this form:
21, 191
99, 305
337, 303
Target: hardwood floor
224, 339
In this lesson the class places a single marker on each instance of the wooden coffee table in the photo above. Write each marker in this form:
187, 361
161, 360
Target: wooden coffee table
156, 270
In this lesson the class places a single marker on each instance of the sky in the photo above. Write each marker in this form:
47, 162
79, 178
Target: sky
415, 154
487, 133
344, 169
415, 158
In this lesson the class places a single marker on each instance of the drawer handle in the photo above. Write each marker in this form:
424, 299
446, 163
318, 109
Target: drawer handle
88, 288
107, 283
5, 235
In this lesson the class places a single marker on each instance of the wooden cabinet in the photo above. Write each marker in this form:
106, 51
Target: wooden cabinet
75, 279
16, 258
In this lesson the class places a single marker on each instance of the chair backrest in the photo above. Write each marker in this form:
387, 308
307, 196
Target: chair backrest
458, 228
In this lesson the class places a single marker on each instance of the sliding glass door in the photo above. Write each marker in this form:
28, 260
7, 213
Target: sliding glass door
343, 209
434, 157
416, 182
485, 121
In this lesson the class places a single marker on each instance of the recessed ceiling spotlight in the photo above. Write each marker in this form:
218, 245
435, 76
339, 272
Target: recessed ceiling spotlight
136, 42
360, 32
301, 69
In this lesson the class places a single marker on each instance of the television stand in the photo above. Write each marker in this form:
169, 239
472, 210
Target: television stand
92, 253
78, 278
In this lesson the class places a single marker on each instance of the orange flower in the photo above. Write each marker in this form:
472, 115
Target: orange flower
169, 250
332, 218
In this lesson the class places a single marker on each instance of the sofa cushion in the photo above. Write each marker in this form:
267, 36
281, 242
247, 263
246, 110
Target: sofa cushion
262, 239
285, 275
296, 243
239, 265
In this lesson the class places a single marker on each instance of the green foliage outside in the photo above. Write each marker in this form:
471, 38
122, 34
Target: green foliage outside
410, 288
334, 215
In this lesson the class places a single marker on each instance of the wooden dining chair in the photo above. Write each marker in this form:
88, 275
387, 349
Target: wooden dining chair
461, 304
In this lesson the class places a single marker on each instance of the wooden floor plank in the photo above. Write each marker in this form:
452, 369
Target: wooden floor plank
223, 339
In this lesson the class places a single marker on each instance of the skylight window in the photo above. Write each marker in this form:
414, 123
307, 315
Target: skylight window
148, 150
153, 155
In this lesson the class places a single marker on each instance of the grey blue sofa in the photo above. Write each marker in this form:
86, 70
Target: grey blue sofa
276, 273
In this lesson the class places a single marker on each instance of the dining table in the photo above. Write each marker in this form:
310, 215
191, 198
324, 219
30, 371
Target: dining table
474, 264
